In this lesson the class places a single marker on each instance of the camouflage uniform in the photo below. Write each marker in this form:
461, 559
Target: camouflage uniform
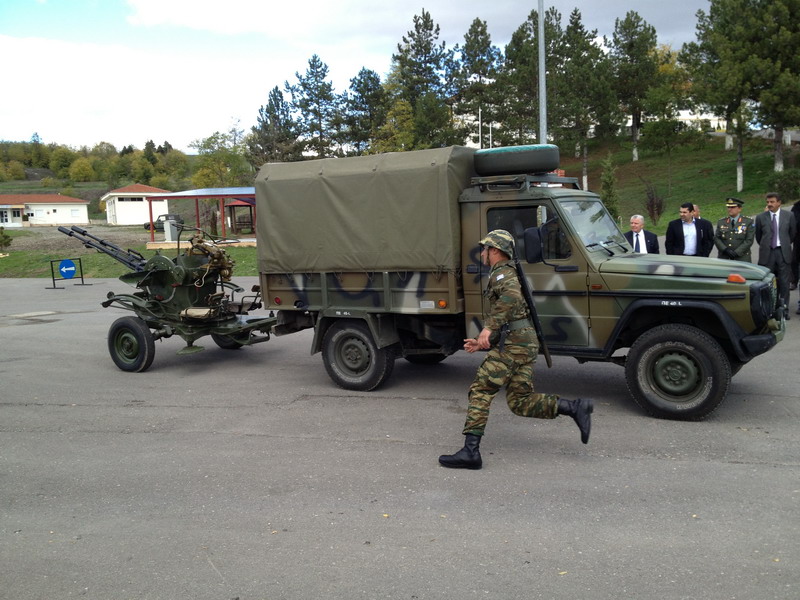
512, 365
736, 233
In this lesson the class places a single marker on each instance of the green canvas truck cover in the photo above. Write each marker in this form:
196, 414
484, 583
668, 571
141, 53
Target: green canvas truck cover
385, 212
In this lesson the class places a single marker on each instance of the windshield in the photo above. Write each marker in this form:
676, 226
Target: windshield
592, 223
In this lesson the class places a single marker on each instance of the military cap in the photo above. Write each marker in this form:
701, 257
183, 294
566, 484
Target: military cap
733, 203
500, 239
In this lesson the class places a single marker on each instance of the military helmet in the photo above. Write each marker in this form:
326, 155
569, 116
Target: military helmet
500, 239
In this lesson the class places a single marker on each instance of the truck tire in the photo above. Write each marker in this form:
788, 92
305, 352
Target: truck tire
131, 344
513, 160
352, 359
677, 372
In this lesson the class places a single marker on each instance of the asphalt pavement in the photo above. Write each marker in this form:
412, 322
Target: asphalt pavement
247, 474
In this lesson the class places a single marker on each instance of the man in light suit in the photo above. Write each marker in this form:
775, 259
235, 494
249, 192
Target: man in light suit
688, 236
643, 241
775, 230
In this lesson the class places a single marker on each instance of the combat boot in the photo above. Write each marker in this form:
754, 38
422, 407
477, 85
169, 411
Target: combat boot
469, 457
580, 410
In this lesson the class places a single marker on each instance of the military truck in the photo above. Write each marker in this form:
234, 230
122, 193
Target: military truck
379, 255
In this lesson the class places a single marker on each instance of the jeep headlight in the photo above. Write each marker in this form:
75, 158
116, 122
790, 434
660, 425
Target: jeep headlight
763, 298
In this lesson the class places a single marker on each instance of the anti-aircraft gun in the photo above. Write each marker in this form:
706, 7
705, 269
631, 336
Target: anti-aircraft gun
190, 295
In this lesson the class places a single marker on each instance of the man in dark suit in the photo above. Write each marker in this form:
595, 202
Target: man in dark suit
688, 236
706, 225
643, 241
775, 230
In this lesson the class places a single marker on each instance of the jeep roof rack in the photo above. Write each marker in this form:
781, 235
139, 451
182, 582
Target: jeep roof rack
524, 181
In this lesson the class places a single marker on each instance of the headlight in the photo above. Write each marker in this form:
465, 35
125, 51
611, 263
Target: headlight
763, 298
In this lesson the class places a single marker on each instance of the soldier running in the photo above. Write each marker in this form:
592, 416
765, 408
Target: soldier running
509, 336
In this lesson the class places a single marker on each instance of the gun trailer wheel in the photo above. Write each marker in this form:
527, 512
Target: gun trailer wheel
228, 342
131, 344
352, 359
677, 372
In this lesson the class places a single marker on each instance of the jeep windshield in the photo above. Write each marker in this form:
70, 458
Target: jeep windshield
594, 226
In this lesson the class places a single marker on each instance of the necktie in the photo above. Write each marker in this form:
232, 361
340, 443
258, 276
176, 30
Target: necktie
636, 243
774, 243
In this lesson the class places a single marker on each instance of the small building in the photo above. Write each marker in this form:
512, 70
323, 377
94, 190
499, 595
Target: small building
129, 206
22, 210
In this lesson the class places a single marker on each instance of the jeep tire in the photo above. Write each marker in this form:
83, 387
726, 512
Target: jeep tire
677, 372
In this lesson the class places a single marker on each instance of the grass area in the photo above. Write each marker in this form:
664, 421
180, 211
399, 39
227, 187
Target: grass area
37, 263
704, 176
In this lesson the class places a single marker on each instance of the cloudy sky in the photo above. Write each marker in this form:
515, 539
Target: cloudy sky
78, 72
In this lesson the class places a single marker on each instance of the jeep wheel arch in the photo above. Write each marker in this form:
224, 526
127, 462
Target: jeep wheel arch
677, 371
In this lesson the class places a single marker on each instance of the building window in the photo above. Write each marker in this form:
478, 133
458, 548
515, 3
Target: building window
16, 213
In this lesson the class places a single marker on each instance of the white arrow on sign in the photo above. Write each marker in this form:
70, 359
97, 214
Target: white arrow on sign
65, 268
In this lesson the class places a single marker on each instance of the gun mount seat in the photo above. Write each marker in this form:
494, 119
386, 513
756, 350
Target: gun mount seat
199, 312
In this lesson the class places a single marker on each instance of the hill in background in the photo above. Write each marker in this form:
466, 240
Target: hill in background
704, 176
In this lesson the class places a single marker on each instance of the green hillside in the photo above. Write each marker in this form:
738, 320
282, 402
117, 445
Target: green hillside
703, 176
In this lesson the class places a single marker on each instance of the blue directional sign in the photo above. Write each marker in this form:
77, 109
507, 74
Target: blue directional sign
67, 268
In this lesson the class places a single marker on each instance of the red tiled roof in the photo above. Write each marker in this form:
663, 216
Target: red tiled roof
39, 199
139, 188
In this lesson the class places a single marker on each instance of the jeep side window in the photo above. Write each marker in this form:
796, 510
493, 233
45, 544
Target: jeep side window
554, 241
517, 219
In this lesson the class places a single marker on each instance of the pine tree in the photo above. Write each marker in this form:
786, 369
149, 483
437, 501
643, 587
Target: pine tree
5, 240
518, 80
633, 57
592, 104
365, 109
420, 60
475, 81
316, 106
608, 187
274, 138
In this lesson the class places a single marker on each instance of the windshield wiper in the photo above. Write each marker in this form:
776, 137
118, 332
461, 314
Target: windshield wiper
601, 245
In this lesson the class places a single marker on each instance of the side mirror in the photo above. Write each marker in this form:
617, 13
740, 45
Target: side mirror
533, 244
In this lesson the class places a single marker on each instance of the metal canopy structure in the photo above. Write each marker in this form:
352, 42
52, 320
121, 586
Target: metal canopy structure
232, 197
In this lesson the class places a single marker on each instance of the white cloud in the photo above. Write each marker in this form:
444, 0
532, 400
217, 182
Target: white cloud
123, 96
201, 64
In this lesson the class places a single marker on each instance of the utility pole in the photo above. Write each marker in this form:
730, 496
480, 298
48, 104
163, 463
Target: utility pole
542, 84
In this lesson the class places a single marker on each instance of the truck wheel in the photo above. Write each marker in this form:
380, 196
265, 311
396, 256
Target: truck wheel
677, 372
352, 359
425, 359
228, 342
131, 344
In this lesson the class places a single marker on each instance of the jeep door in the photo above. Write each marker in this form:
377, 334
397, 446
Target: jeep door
559, 283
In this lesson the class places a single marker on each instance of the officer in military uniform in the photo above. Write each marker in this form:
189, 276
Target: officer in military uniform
509, 336
735, 233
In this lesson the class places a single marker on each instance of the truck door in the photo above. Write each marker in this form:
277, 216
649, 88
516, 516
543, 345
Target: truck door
560, 288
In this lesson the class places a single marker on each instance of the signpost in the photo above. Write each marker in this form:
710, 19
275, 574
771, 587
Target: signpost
67, 270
